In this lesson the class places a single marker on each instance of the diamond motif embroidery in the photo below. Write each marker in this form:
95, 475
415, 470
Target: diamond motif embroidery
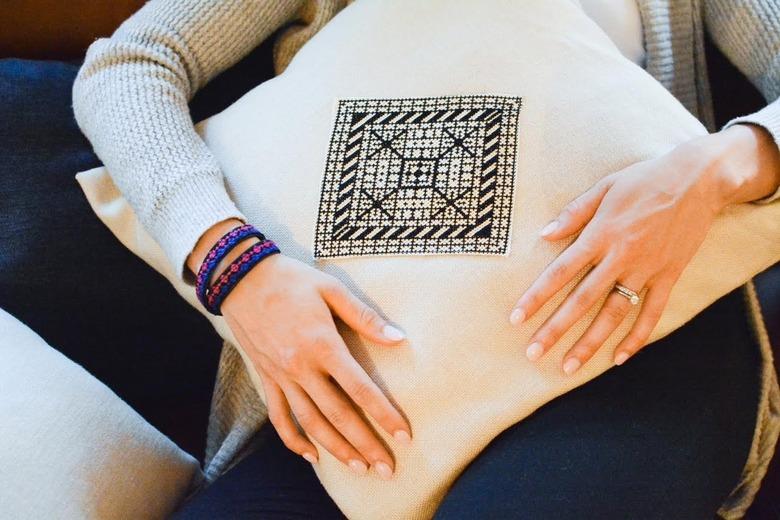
419, 176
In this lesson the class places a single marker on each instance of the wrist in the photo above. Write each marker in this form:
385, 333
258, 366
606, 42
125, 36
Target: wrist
745, 165
207, 241
228, 259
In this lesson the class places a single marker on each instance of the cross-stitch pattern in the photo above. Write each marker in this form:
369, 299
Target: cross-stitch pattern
419, 176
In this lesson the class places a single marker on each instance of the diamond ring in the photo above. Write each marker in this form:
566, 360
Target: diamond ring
628, 293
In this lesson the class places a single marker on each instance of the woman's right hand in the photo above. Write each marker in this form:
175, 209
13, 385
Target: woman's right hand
280, 313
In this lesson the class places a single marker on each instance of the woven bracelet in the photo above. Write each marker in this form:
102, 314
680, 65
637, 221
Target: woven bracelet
218, 252
235, 272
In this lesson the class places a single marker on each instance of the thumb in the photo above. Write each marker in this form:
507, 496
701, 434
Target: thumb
360, 317
576, 213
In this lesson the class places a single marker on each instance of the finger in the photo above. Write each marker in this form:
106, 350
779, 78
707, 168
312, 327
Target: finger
279, 414
278, 408
317, 426
340, 413
655, 301
577, 303
612, 313
357, 315
553, 278
576, 213
365, 393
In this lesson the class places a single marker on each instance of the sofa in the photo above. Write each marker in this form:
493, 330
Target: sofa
145, 360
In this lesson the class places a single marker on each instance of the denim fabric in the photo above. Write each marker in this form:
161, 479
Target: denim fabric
664, 436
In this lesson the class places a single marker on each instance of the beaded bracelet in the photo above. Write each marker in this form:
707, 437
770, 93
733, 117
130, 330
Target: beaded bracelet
215, 255
235, 272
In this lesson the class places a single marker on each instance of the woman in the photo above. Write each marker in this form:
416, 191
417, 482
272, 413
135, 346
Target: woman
130, 100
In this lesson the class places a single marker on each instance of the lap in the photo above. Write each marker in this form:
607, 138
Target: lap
664, 436
270, 483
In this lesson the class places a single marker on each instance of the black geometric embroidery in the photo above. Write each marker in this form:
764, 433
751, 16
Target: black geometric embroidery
419, 176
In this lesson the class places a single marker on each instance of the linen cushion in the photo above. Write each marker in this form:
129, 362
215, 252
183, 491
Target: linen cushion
71, 448
414, 150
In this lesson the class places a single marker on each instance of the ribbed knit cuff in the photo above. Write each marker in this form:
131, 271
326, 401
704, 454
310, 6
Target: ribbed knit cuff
188, 212
768, 118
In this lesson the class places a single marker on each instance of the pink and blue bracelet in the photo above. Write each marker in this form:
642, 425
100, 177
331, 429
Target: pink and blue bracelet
211, 297
236, 271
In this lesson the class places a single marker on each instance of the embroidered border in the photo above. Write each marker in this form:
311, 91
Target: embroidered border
419, 176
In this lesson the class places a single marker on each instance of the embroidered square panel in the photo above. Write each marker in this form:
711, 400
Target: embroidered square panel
419, 176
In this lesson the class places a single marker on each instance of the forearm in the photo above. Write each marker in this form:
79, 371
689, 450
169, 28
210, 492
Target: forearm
130, 99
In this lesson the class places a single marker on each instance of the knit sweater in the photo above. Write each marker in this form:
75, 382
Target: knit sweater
131, 96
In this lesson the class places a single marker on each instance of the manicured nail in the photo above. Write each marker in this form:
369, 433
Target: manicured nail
571, 365
358, 466
517, 317
402, 437
309, 457
534, 351
392, 333
549, 228
621, 358
384, 470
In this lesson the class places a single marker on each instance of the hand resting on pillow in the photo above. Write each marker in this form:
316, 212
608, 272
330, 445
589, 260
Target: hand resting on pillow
640, 227
281, 315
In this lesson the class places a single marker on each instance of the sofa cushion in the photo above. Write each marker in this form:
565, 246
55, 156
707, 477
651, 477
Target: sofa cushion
71, 448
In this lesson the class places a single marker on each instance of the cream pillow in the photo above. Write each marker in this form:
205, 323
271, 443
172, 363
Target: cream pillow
71, 449
394, 153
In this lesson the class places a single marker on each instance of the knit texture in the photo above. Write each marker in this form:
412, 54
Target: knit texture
145, 74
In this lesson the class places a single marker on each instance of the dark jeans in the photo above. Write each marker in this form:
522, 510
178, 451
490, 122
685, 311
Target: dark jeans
665, 436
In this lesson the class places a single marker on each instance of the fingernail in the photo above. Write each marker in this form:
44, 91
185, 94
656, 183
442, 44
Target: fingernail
621, 358
516, 317
309, 457
534, 351
384, 470
571, 365
549, 228
358, 467
392, 333
402, 437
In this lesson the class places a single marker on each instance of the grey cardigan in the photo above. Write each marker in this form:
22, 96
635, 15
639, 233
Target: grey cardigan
130, 99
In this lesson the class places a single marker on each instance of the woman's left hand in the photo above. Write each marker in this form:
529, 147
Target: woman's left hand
640, 227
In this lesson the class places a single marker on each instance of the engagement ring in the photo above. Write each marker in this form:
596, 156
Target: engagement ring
628, 293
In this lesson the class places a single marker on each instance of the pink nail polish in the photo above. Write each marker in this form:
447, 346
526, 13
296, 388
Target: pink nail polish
358, 467
571, 365
517, 317
534, 351
402, 437
392, 333
383, 470
549, 228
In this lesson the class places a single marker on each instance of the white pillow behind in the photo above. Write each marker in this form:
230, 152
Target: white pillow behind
424, 73
71, 449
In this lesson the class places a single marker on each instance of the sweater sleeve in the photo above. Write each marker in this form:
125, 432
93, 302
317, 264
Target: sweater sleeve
130, 100
748, 33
